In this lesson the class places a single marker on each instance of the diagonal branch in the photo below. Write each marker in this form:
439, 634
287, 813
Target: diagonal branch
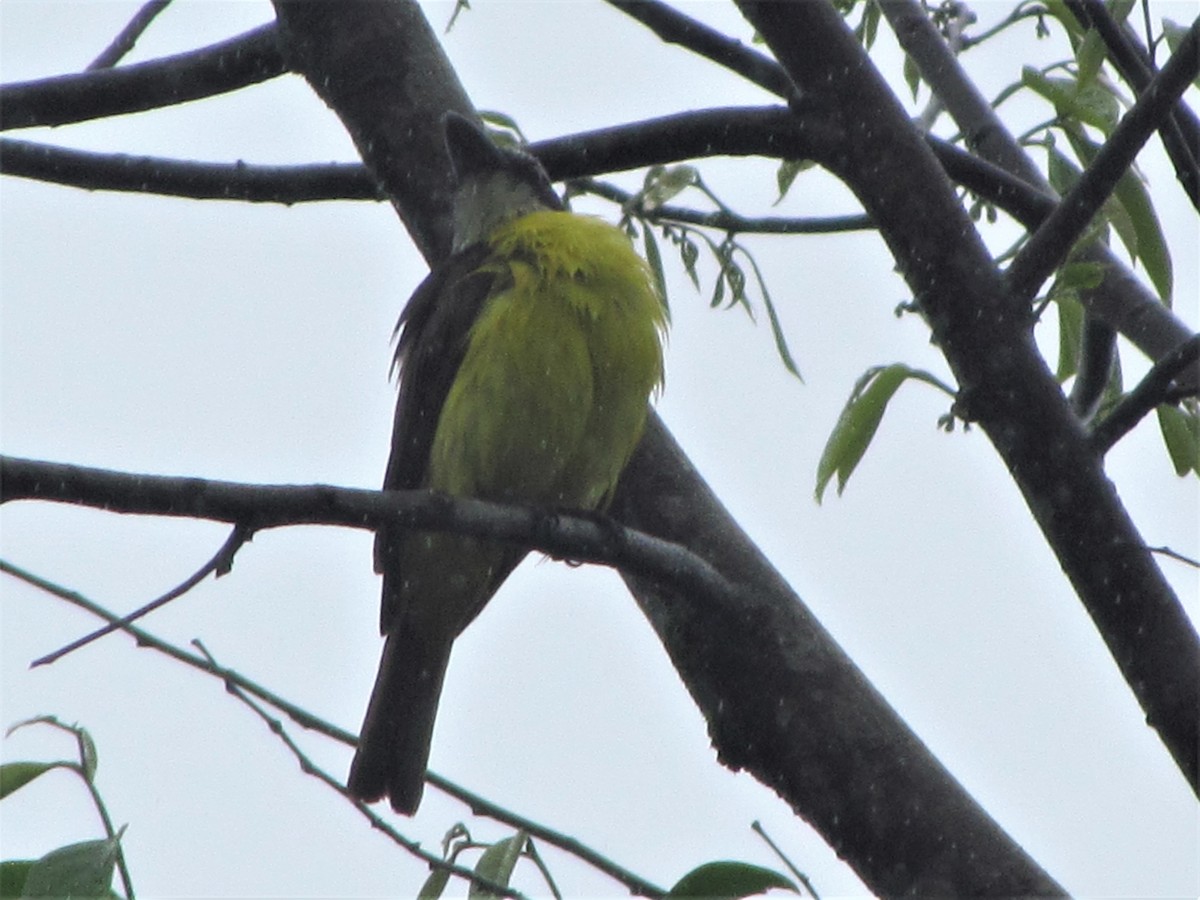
1180, 131
1153, 389
1049, 245
127, 39
218, 69
673, 27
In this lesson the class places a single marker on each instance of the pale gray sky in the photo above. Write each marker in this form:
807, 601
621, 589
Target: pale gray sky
251, 343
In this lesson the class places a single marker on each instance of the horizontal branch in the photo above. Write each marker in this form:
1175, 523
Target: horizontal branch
217, 69
187, 178
723, 220
593, 538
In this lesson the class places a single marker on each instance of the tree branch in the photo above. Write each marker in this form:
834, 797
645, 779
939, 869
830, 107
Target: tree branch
1153, 389
986, 336
1121, 301
1180, 131
127, 39
257, 507
673, 27
187, 178
218, 69
720, 219
1049, 245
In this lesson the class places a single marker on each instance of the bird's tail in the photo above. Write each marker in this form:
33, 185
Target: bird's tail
393, 747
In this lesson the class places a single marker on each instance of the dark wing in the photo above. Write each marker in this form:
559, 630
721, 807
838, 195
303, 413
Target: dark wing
434, 329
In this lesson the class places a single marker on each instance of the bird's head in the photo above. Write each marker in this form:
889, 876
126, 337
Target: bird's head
492, 185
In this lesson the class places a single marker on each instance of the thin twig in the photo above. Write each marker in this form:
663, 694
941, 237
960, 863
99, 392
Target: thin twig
723, 220
757, 828
220, 563
233, 679
481, 806
128, 37
308, 767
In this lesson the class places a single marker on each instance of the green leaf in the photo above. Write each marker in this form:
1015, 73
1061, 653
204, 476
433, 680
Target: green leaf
727, 879
654, 259
497, 864
1120, 9
1152, 250
14, 776
1058, 9
860, 418
1181, 435
13, 873
88, 757
857, 424
1093, 104
688, 254
1090, 56
786, 174
662, 184
77, 870
912, 76
1133, 218
435, 885
1175, 33
1061, 170
868, 27
1070, 331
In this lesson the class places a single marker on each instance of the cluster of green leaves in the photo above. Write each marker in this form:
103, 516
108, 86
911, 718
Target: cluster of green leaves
662, 184
84, 869
1087, 105
1087, 102
723, 880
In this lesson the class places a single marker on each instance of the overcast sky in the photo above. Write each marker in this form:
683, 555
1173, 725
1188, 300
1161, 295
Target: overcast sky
251, 343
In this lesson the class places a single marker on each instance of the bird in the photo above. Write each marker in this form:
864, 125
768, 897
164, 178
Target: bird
528, 360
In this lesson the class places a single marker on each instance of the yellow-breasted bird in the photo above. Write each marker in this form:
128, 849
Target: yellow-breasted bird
527, 361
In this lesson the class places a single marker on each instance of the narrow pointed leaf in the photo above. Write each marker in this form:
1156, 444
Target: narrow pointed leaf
1181, 435
77, 870
857, 425
14, 776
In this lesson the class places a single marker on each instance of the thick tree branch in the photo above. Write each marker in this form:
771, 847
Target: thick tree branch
986, 336
237, 63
